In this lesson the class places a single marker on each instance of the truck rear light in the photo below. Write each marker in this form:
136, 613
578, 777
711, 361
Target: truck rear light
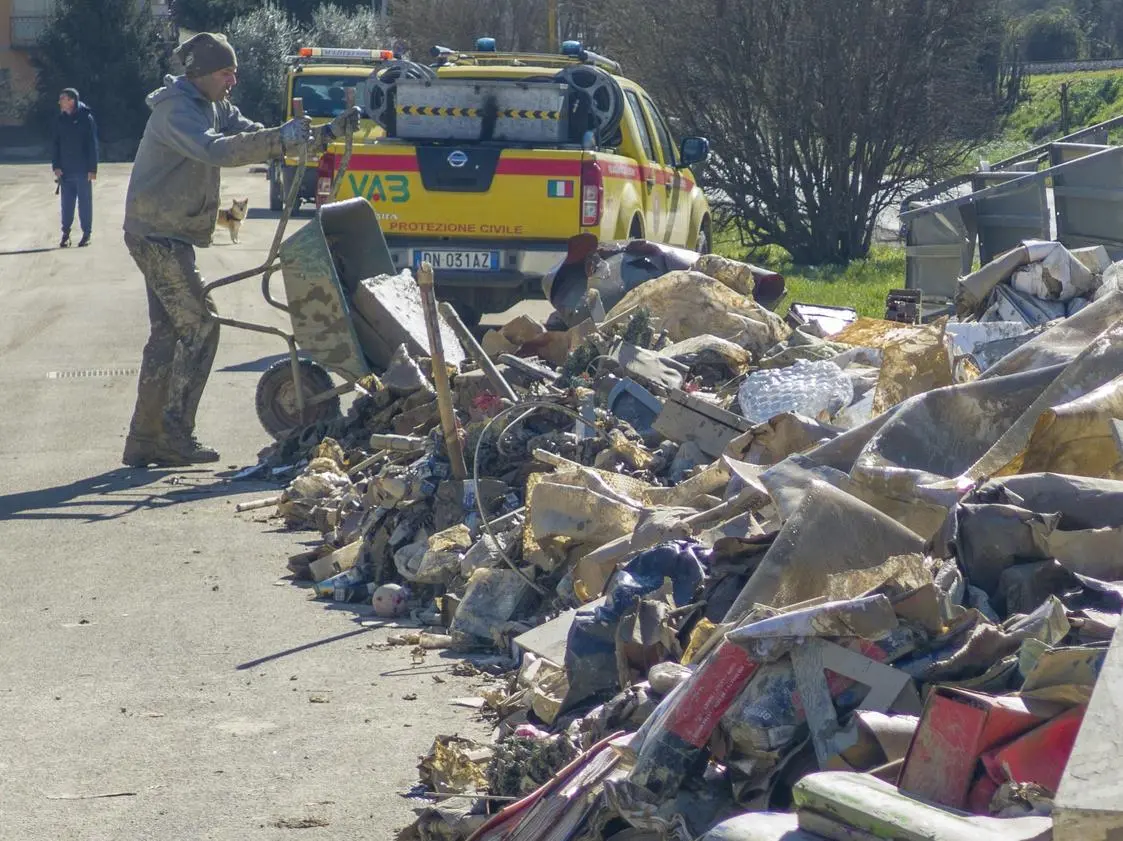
325, 173
592, 193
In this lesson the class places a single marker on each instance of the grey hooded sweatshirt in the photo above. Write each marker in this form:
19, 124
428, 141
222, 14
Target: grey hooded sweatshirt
173, 191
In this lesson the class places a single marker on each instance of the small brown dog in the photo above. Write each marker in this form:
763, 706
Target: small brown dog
232, 219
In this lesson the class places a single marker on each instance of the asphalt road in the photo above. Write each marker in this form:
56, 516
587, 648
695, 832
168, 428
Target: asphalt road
150, 645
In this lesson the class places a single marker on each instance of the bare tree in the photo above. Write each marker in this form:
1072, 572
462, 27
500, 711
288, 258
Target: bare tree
820, 112
516, 25
334, 26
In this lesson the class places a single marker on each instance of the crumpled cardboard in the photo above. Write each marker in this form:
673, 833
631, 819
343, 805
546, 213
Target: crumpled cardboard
455, 765
561, 520
438, 561
779, 437
571, 518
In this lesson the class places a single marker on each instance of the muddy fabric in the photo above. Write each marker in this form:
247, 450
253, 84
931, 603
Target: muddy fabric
1079, 437
171, 384
173, 191
1083, 503
903, 469
1033, 518
841, 452
1099, 363
827, 547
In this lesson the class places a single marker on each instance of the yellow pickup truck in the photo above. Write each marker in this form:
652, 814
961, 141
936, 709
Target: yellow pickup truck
492, 161
319, 77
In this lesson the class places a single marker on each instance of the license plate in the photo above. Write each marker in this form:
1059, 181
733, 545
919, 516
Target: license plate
470, 261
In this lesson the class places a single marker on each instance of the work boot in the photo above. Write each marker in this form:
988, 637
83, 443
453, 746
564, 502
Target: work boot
65, 241
195, 452
84, 241
159, 452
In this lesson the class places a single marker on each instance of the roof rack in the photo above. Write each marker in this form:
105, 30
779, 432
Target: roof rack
572, 53
339, 55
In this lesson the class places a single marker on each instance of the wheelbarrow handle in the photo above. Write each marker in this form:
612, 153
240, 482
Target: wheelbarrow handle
348, 146
269, 266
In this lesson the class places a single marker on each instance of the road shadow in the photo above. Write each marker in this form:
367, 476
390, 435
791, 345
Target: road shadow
296, 649
120, 492
26, 251
255, 365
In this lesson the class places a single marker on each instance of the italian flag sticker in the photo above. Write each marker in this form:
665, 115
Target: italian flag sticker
559, 189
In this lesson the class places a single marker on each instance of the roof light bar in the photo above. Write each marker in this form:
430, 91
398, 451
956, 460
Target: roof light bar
343, 53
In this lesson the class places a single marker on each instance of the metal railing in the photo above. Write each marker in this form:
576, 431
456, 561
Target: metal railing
27, 29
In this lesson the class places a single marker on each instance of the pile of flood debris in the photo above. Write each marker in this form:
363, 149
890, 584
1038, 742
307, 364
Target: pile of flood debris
815, 577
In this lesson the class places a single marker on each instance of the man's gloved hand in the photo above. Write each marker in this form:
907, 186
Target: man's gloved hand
338, 127
348, 119
296, 132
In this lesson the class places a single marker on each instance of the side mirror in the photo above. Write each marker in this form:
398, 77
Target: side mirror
695, 150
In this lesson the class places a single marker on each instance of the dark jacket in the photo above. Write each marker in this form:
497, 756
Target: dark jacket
75, 149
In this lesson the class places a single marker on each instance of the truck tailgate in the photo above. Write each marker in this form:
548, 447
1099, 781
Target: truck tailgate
468, 192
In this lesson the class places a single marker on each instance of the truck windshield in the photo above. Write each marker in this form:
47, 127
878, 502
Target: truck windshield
323, 95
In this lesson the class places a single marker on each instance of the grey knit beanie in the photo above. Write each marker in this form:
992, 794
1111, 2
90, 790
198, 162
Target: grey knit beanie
205, 53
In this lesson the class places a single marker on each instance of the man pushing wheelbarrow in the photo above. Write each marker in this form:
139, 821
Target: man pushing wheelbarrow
172, 207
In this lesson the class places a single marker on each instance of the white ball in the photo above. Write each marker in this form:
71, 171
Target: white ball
389, 600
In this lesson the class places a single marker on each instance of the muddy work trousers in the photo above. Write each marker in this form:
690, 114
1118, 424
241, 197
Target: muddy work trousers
182, 343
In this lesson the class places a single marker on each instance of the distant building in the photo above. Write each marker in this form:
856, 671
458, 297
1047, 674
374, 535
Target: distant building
21, 24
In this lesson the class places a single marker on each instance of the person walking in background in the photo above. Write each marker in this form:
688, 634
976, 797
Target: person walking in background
75, 164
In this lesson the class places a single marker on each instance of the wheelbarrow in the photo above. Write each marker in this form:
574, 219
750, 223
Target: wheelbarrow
322, 265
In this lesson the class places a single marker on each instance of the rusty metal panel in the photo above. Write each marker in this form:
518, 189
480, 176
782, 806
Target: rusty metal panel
955, 728
939, 248
1005, 218
1088, 198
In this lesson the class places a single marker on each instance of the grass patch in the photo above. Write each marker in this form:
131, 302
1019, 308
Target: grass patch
1092, 98
863, 284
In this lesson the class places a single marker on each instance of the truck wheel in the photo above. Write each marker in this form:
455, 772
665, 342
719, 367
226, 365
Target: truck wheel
286, 182
276, 191
702, 244
276, 397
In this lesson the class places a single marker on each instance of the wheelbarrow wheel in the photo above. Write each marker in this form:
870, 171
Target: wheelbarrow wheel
276, 188
276, 397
